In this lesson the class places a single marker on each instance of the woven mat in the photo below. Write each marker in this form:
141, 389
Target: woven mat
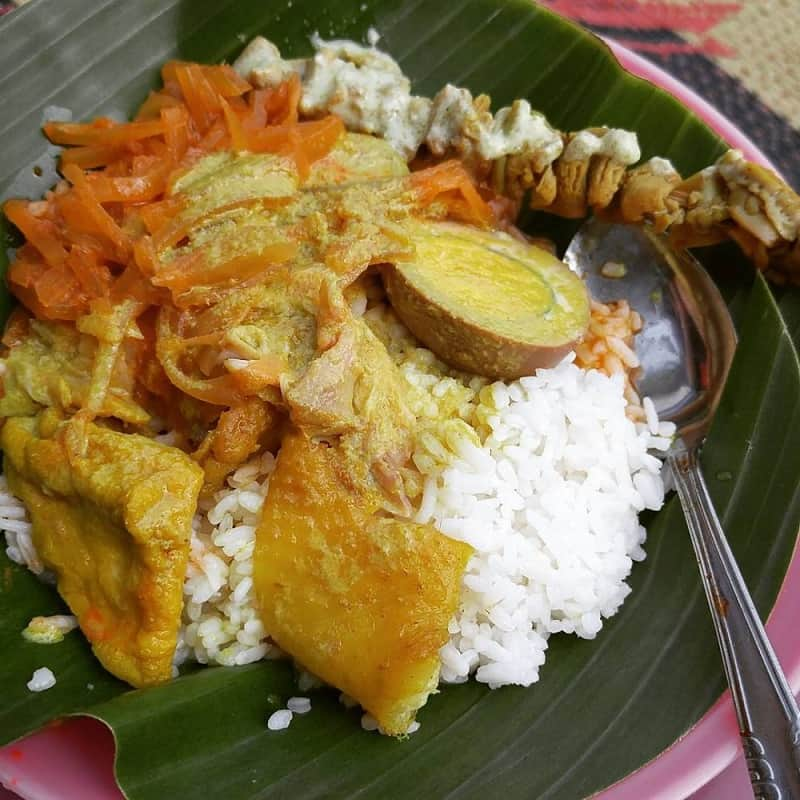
740, 56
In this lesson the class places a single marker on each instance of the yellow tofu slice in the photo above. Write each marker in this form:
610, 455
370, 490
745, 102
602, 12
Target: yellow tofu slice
111, 515
360, 599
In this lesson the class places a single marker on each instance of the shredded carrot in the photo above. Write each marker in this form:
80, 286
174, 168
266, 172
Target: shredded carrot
315, 138
25, 271
201, 99
92, 275
49, 292
105, 223
195, 271
57, 287
144, 255
159, 214
434, 183
226, 81
320, 139
41, 233
17, 327
135, 189
91, 156
215, 138
256, 116
79, 226
294, 90
156, 102
94, 134
176, 131
133, 284
235, 129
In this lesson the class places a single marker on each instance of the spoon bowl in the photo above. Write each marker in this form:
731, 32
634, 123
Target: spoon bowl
687, 343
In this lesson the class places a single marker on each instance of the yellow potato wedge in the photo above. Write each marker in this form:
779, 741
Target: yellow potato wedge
359, 598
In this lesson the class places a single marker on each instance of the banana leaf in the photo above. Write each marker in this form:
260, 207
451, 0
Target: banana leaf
602, 708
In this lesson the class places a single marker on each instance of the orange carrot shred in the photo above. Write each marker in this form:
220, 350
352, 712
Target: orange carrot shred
216, 137
96, 212
320, 139
294, 91
256, 116
17, 327
176, 131
59, 292
200, 97
92, 134
156, 216
435, 182
156, 102
40, 233
226, 81
135, 189
91, 156
193, 270
237, 134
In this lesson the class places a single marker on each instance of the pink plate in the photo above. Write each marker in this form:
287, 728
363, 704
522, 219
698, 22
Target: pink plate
73, 759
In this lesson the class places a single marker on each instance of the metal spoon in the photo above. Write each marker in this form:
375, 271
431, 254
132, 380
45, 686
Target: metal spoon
685, 349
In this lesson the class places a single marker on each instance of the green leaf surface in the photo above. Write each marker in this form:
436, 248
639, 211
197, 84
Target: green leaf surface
602, 708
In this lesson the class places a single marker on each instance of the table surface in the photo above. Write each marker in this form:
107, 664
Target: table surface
739, 56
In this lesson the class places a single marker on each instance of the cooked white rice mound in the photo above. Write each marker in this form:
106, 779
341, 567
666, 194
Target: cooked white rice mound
17, 528
220, 621
550, 503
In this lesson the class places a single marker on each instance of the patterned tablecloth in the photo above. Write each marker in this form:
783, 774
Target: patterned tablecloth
742, 57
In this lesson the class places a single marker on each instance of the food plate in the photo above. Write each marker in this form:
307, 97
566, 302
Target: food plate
602, 708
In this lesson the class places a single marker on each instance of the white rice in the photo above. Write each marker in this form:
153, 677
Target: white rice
280, 720
299, 705
42, 680
368, 722
17, 528
549, 501
220, 622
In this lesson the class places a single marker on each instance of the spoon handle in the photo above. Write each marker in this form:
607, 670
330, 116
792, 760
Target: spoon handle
769, 720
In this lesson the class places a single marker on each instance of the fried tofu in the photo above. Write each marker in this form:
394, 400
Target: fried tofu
111, 515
